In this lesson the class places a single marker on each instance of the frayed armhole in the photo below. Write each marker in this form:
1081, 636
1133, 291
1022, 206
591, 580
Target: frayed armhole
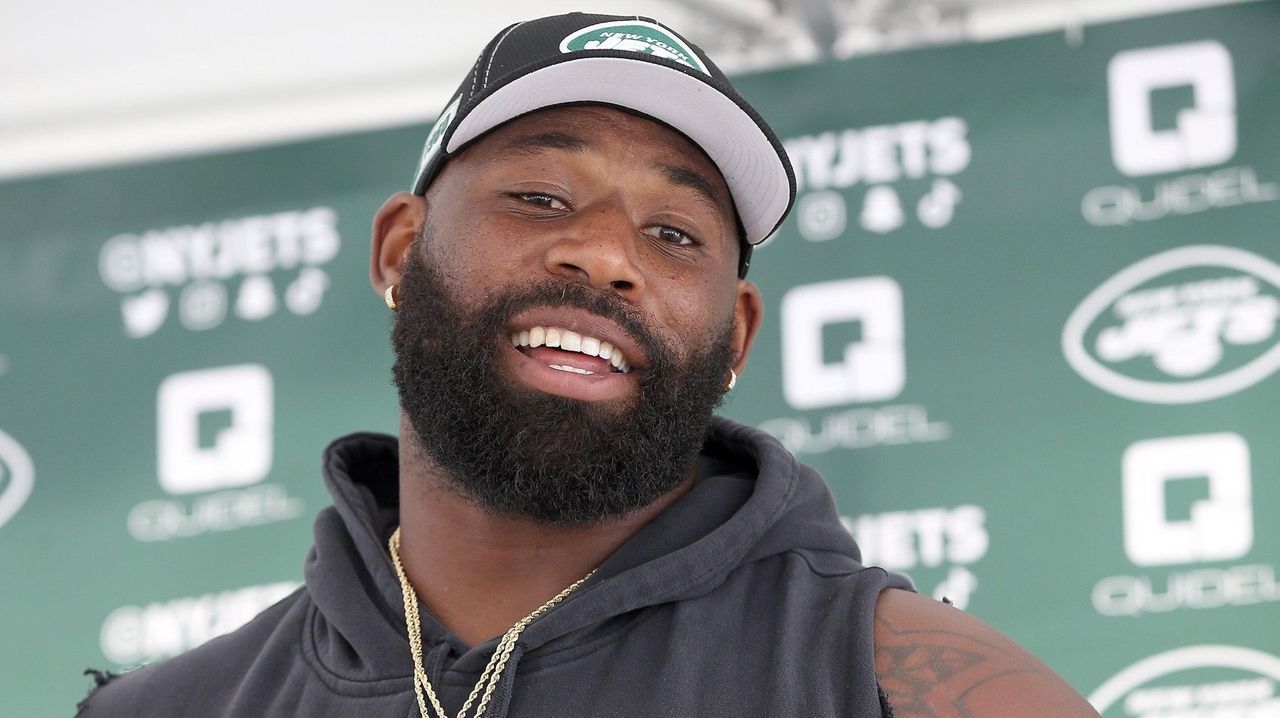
886, 710
100, 679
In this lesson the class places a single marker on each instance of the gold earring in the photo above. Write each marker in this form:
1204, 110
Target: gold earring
390, 297
733, 379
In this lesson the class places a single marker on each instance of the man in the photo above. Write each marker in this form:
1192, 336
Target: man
563, 528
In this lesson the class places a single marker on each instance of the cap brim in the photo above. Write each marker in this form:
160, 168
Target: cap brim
748, 160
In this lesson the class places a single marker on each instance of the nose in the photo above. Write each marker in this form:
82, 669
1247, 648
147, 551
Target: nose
598, 248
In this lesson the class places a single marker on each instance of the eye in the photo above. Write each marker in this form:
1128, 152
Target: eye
672, 235
540, 199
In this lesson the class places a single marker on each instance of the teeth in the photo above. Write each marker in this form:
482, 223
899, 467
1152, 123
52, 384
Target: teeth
574, 369
572, 342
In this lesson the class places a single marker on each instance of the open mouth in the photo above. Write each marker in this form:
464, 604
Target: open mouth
569, 351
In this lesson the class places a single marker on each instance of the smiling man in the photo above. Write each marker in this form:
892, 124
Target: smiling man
562, 527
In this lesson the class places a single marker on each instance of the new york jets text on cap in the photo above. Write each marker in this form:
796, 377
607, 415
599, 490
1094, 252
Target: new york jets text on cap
633, 63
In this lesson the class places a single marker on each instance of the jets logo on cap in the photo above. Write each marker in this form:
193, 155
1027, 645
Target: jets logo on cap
634, 36
437, 134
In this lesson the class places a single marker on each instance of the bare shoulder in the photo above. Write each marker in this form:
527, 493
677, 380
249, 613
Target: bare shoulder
935, 661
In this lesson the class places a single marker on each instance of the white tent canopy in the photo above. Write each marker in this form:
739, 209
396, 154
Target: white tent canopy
88, 83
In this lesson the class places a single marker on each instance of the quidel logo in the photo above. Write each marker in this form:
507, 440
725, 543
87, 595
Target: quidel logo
1173, 108
1194, 682
1203, 134
1187, 500
1183, 326
1218, 527
213, 433
872, 368
240, 452
843, 343
17, 477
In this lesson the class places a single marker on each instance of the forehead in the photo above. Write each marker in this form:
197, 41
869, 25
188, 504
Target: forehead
599, 121
601, 129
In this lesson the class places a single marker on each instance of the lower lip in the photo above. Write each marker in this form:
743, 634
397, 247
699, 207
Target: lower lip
587, 387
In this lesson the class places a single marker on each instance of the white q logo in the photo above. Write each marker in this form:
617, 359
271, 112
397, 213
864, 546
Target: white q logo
1219, 528
1205, 134
240, 454
871, 369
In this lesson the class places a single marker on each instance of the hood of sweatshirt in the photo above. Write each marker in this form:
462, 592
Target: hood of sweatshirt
752, 500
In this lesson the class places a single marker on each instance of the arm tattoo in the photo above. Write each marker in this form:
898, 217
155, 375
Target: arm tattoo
931, 673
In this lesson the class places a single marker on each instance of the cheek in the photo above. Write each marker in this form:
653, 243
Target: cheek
500, 245
698, 313
473, 255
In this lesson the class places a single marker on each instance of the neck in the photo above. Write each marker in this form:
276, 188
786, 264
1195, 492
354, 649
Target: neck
479, 572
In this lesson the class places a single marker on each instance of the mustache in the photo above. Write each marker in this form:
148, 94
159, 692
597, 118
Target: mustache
559, 293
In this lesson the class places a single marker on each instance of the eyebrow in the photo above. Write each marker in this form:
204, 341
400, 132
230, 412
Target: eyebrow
538, 142
542, 141
690, 179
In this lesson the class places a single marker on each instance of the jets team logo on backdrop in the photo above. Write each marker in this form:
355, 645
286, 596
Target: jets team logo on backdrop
214, 438
247, 268
1187, 508
905, 168
17, 477
844, 342
1205, 681
645, 38
936, 546
1183, 326
1172, 109
134, 635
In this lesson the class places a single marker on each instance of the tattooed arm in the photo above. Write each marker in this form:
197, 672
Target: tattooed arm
935, 661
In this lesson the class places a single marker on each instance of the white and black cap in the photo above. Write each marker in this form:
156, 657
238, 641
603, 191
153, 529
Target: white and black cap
633, 63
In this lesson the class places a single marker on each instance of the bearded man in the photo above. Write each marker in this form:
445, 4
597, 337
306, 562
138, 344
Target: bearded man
563, 528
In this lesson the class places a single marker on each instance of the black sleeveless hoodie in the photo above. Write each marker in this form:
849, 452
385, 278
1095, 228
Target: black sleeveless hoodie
746, 597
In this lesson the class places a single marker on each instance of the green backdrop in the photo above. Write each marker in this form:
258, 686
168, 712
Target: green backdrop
1023, 318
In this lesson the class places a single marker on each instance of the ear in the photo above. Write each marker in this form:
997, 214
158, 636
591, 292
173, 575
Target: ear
748, 312
395, 226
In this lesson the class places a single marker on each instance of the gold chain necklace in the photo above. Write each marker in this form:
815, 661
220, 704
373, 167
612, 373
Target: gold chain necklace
492, 672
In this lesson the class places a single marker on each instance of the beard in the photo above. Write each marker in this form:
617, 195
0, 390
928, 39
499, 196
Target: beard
517, 451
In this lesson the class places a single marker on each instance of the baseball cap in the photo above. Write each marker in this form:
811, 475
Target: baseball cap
633, 63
